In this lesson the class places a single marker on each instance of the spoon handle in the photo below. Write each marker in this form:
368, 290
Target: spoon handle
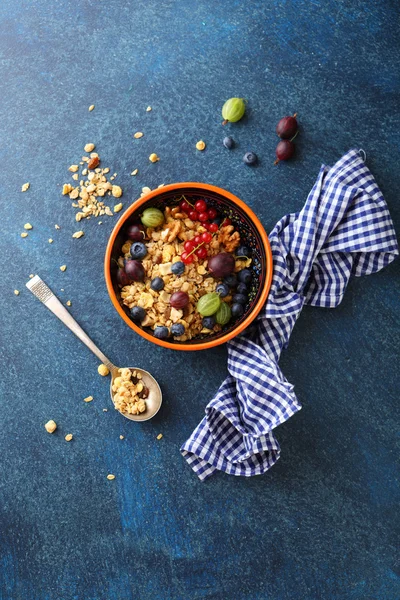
39, 289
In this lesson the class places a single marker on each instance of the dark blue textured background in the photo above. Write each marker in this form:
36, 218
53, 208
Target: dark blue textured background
323, 523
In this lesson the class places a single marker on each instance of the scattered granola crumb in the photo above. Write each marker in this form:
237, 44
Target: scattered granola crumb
116, 191
121, 437
145, 190
31, 275
24, 234
25, 187
91, 107
75, 177
159, 436
57, 226
68, 303
200, 145
88, 399
78, 234
105, 409
28, 226
118, 207
16, 292
63, 268
110, 477
135, 172
138, 135
100, 222
51, 426
68, 437
62, 289
73, 168
103, 370
89, 147
148, 109
153, 157
50, 241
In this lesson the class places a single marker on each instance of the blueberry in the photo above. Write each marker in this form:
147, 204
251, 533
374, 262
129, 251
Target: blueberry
161, 332
237, 310
157, 284
231, 280
217, 221
242, 289
138, 313
208, 322
138, 250
250, 158
228, 142
239, 299
243, 251
177, 329
178, 268
244, 276
222, 289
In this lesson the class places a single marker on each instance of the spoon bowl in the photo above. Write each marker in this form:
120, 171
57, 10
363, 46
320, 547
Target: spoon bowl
153, 400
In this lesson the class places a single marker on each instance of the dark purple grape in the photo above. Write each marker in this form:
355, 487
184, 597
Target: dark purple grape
122, 277
134, 269
134, 233
179, 300
221, 265
287, 127
284, 150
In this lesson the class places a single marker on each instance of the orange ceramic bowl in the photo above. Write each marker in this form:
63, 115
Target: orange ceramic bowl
252, 234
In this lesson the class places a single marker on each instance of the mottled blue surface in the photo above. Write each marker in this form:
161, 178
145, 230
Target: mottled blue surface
322, 524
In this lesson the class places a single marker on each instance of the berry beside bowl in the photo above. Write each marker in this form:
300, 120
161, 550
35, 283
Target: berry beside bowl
188, 266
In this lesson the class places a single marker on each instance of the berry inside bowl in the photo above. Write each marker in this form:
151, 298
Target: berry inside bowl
188, 280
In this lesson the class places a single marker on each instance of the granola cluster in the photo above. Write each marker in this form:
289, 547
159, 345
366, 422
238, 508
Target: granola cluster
164, 247
129, 392
92, 187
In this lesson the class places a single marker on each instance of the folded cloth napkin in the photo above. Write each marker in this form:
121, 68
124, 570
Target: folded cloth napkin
343, 229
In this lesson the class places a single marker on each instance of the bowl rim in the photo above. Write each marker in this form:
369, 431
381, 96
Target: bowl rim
204, 345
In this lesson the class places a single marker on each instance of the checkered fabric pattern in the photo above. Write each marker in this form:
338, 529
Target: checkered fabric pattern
343, 229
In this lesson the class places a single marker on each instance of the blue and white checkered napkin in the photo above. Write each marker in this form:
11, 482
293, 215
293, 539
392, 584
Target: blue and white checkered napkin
343, 229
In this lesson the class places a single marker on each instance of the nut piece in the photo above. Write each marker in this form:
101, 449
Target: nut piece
88, 399
50, 426
159, 436
28, 226
16, 292
200, 145
68, 437
89, 147
73, 168
103, 370
138, 135
118, 207
93, 163
135, 172
110, 477
63, 268
78, 234
25, 187
116, 191
91, 107
153, 157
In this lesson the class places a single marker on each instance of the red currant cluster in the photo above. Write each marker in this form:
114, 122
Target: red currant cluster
209, 219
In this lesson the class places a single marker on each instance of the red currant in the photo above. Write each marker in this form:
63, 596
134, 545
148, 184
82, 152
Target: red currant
197, 240
203, 217
185, 206
200, 206
226, 222
212, 213
201, 252
213, 227
206, 237
189, 246
186, 258
194, 215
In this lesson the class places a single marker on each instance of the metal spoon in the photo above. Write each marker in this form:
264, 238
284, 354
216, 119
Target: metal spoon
153, 402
